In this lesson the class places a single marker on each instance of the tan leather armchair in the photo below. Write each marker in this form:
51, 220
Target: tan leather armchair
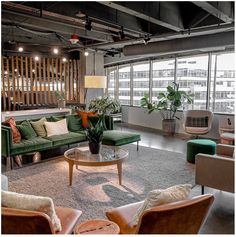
183, 217
16, 221
216, 171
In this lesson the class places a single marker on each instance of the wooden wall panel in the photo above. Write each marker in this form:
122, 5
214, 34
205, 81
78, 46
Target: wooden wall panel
26, 81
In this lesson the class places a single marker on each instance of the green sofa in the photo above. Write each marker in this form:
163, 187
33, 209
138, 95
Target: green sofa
111, 137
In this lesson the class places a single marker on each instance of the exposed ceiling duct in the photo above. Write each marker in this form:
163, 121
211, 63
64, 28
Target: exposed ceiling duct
181, 45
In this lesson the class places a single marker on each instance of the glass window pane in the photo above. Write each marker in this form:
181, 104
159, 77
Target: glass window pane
223, 83
140, 81
162, 76
124, 85
111, 76
192, 76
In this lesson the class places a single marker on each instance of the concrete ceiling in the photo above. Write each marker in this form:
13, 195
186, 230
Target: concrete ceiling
40, 25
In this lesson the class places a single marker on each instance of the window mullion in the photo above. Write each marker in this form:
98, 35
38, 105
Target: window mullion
131, 85
117, 83
208, 81
214, 85
150, 80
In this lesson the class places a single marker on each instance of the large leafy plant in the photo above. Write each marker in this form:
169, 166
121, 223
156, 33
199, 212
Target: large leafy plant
105, 105
94, 133
168, 102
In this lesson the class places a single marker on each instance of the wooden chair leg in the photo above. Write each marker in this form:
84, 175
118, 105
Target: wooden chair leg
137, 146
202, 189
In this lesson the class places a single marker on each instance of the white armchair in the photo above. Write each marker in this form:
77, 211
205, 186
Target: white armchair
197, 122
216, 171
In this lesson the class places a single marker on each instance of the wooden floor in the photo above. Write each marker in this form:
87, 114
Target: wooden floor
221, 216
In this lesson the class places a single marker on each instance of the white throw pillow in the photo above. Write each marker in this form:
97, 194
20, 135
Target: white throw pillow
162, 196
56, 128
33, 203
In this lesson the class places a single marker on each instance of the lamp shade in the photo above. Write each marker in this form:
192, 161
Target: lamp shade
95, 82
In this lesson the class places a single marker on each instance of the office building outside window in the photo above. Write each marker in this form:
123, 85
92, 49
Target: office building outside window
111, 82
222, 95
162, 76
124, 85
192, 73
140, 81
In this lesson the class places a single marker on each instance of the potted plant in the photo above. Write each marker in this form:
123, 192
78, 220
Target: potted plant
94, 135
168, 104
105, 105
60, 95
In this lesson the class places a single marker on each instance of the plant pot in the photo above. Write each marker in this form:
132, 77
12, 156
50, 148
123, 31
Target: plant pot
94, 147
168, 127
61, 103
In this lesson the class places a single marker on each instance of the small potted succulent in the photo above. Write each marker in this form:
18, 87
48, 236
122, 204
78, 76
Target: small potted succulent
94, 134
60, 95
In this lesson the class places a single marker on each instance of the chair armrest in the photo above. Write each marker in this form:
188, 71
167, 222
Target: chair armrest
225, 150
215, 172
7, 141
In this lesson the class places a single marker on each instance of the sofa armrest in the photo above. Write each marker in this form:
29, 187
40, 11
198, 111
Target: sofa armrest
215, 172
7, 142
225, 150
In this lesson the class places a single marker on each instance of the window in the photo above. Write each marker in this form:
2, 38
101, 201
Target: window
124, 85
111, 82
222, 93
162, 76
192, 75
140, 81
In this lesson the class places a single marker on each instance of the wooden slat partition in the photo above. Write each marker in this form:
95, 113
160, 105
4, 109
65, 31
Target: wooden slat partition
26, 81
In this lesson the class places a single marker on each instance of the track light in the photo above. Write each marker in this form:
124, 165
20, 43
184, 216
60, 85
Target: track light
55, 50
20, 49
88, 24
146, 40
64, 59
121, 33
36, 58
86, 53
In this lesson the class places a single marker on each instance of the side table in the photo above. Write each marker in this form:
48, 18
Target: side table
97, 226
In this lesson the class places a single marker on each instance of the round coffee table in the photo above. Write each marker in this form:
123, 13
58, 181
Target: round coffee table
108, 155
97, 226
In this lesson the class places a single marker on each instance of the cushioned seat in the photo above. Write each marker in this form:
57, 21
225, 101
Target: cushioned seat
34, 144
118, 138
196, 146
69, 138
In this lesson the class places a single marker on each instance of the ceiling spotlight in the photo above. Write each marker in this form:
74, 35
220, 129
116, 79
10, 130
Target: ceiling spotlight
74, 38
36, 58
146, 40
86, 53
64, 60
20, 49
5, 72
55, 51
80, 14
15, 70
88, 24
121, 33
33, 70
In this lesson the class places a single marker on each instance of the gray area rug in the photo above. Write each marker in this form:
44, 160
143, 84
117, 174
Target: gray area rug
96, 189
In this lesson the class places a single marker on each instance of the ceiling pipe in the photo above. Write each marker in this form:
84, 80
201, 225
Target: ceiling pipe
181, 45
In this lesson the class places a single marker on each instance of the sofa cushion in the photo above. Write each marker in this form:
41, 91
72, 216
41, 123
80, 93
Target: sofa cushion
26, 130
69, 138
34, 144
39, 127
118, 138
56, 128
15, 132
74, 123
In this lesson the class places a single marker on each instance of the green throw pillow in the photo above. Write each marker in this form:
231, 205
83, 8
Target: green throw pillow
26, 130
39, 127
55, 118
74, 123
